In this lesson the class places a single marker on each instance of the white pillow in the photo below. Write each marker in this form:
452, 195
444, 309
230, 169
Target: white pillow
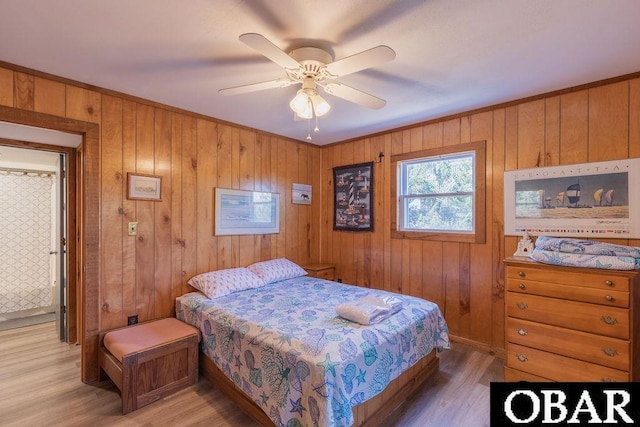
277, 269
219, 283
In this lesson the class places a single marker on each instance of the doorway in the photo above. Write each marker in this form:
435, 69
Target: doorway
83, 245
33, 231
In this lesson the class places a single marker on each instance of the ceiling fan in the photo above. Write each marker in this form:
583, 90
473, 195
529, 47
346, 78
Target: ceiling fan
313, 67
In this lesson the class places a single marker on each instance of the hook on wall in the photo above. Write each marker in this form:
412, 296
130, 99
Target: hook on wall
380, 156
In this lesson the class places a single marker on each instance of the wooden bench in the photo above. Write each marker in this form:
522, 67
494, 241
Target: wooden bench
150, 360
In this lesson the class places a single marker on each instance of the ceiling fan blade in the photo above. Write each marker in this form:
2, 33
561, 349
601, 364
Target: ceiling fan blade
271, 84
268, 49
354, 95
365, 59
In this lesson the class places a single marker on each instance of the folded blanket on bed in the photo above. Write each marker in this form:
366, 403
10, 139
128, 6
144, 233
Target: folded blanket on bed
370, 309
610, 262
561, 244
393, 303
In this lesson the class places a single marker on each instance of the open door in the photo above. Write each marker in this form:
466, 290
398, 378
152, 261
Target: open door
60, 250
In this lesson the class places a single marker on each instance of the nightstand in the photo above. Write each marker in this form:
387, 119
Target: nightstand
321, 271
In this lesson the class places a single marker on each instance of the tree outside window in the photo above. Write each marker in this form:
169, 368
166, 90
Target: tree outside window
440, 194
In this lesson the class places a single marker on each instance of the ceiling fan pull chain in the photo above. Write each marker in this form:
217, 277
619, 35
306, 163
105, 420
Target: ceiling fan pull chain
308, 129
316, 129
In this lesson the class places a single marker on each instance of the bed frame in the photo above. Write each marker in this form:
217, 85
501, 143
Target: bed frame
373, 412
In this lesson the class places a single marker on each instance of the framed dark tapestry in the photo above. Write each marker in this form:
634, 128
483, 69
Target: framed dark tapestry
353, 197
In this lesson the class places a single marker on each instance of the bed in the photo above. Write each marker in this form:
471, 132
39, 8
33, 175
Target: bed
281, 352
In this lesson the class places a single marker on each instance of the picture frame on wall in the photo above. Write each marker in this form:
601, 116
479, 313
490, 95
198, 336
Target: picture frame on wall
144, 187
597, 200
239, 212
353, 197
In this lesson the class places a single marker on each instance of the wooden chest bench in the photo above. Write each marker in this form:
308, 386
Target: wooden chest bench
150, 360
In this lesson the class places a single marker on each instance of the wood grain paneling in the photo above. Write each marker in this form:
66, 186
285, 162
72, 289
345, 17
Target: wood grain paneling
609, 122
551, 131
189, 237
6, 87
82, 104
144, 216
113, 229
481, 254
163, 217
531, 117
129, 302
574, 127
176, 241
634, 118
495, 239
53, 99
24, 89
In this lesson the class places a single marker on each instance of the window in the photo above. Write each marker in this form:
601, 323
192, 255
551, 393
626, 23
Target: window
439, 194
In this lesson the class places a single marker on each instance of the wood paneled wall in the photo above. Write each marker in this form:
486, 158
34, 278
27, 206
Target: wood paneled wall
144, 274
467, 280
193, 154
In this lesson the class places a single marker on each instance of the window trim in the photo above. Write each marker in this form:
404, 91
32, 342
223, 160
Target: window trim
478, 235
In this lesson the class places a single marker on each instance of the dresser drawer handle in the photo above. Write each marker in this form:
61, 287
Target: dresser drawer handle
610, 351
522, 286
521, 273
522, 305
606, 380
522, 332
522, 357
608, 283
609, 298
609, 320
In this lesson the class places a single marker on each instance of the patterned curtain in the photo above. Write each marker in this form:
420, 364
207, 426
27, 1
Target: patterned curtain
25, 240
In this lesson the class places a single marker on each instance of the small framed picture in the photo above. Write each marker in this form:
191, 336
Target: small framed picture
144, 187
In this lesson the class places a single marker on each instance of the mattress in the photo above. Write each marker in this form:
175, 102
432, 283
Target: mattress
284, 345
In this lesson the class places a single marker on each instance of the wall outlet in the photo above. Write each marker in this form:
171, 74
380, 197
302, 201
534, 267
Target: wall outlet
133, 228
132, 320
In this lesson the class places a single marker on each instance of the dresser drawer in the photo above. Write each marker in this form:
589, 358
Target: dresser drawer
321, 271
609, 321
609, 297
600, 280
324, 274
611, 352
559, 368
513, 375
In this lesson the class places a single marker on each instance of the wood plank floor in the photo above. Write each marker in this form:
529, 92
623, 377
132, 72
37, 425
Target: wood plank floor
40, 386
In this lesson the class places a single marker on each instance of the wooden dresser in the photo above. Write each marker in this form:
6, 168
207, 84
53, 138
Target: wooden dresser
571, 323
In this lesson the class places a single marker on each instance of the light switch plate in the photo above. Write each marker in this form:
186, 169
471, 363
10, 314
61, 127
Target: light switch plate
133, 228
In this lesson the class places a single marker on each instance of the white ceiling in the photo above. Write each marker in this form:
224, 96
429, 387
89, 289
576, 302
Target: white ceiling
452, 55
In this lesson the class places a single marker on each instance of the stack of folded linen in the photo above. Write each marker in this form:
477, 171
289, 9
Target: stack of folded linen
370, 309
585, 253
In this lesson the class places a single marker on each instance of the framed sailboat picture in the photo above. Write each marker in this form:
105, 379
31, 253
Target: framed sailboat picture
583, 200
353, 197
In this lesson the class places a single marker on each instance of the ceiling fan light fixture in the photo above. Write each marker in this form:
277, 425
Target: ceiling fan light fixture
313, 67
299, 103
307, 113
307, 103
320, 106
